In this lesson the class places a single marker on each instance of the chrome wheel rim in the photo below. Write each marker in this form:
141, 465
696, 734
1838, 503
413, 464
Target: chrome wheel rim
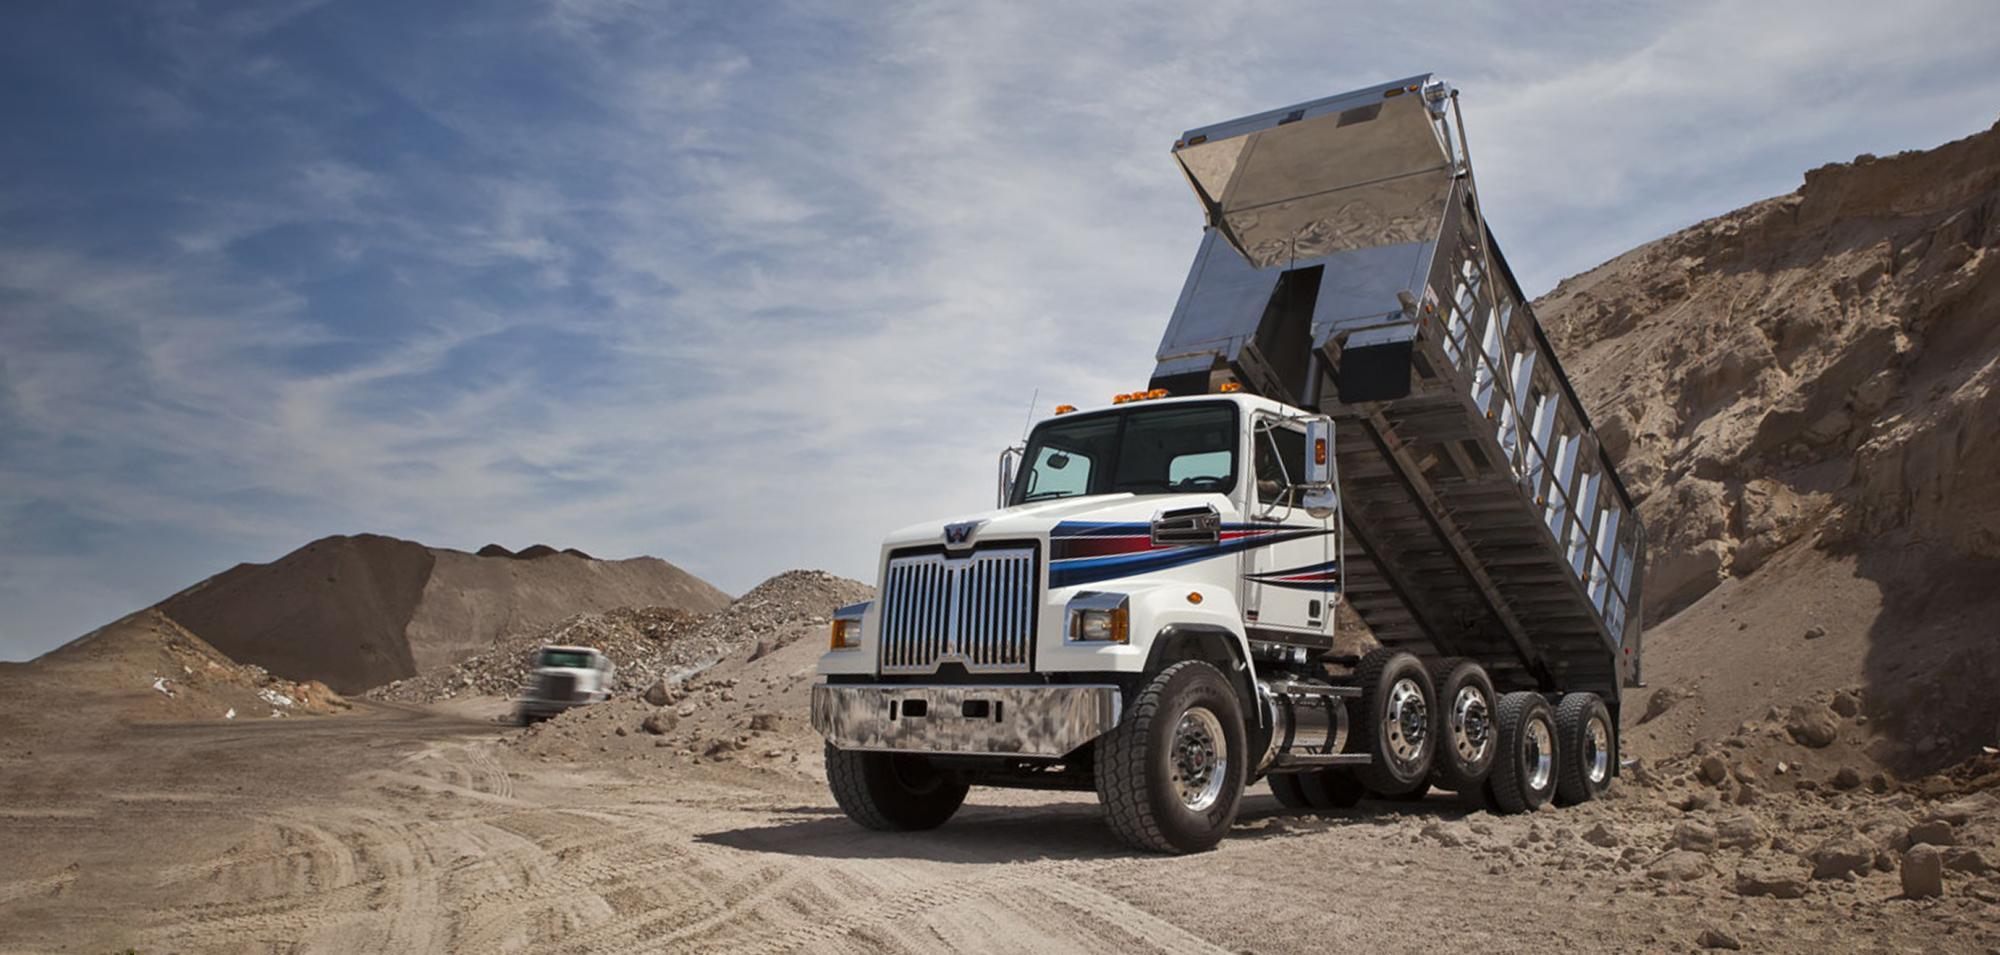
1540, 753
1407, 722
1199, 759
1597, 751
1471, 725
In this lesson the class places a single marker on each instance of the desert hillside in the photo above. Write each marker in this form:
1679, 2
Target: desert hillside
1802, 394
357, 612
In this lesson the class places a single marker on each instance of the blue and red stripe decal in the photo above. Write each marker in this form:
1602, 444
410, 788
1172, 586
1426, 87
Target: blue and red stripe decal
1323, 578
1086, 552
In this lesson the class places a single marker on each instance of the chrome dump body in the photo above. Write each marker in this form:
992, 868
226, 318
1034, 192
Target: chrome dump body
1346, 267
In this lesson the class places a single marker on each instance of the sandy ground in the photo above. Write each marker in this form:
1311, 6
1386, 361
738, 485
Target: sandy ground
404, 828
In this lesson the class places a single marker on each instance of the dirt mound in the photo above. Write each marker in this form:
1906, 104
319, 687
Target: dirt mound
748, 702
638, 640
357, 612
147, 668
493, 550
648, 644
1804, 395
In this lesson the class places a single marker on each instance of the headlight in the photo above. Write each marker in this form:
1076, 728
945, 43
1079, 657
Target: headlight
1099, 618
846, 634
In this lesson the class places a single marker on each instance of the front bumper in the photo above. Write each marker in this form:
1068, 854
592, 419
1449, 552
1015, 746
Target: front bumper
965, 720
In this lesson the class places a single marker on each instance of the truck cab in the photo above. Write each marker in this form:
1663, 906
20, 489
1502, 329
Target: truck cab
564, 677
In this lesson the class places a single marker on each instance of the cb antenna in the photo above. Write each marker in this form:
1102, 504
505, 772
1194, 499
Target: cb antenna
1030, 423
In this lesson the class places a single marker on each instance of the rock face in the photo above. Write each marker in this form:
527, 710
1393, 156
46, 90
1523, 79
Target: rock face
1816, 372
357, 612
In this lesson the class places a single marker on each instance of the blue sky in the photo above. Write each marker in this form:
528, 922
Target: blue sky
743, 286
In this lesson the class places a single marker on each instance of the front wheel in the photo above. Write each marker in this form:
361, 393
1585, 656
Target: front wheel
1170, 774
892, 792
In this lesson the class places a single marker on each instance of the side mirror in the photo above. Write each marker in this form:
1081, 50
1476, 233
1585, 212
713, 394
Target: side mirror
1321, 498
1008, 459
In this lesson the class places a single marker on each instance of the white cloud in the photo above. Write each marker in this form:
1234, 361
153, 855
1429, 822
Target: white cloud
767, 289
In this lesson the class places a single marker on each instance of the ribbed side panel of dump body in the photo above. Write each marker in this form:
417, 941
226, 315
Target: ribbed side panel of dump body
1346, 268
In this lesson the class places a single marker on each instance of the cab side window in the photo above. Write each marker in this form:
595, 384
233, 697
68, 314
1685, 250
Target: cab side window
1281, 465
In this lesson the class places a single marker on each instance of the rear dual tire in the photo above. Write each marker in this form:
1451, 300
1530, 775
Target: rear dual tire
1317, 790
1524, 768
1589, 745
1396, 723
1463, 726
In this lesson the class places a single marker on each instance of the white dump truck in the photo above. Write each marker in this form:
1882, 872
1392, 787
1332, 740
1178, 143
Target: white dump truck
1353, 404
564, 677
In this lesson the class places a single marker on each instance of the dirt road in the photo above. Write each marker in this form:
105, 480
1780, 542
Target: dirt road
414, 829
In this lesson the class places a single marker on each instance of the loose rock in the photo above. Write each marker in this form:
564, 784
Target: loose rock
1811, 726
1771, 881
1693, 836
1923, 872
1839, 856
1936, 832
1717, 938
1679, 865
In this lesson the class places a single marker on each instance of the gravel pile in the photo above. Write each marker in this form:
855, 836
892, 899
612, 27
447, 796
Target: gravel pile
647, 643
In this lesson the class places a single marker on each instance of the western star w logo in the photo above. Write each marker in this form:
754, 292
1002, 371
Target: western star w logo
959, 533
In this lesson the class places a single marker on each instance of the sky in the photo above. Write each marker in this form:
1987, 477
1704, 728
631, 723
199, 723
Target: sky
743, 286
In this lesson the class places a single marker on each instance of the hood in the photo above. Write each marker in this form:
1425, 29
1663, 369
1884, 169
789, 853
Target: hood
1036, 519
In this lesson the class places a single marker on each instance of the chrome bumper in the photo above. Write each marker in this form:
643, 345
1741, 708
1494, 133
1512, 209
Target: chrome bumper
968, 720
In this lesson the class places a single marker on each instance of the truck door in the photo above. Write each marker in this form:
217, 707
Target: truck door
1290, 584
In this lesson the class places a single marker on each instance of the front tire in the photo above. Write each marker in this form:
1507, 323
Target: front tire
1524, 770
1170, 774
891, 792
1589, 745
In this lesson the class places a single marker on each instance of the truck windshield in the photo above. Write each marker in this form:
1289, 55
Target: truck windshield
1174, 449
573, 659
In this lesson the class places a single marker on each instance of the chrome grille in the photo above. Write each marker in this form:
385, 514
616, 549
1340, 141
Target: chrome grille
978, 611
560, 687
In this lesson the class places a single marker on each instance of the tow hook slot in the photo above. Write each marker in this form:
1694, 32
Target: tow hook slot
916, 709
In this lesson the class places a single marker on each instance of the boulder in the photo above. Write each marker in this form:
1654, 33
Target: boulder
1811, 726
1845, 704
1601, 836
1679, 865
660, 693
1967, 859
1958, 811
1693, 836
1741, 832
1923, 872
1713, 937
1847, 777
1778, 882
1936, 832
1713, 769
658, 724
1840, 855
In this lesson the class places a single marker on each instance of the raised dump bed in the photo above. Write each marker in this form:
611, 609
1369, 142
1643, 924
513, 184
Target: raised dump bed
1346, 267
